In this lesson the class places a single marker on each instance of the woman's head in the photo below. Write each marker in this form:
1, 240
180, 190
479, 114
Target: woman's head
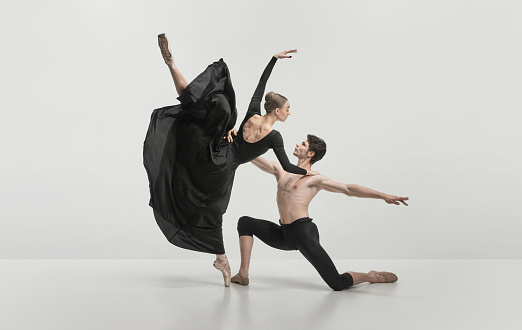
278, 105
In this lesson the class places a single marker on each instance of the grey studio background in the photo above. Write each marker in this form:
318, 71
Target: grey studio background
414, 98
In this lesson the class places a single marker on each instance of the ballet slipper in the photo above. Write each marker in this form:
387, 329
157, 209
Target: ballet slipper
166, 53
224, 271
240, 280
388, 277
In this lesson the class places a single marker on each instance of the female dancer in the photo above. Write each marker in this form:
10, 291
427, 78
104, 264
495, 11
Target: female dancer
190, 164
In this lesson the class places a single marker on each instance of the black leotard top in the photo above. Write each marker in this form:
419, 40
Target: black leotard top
246, 151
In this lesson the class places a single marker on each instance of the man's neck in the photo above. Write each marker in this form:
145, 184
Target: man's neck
304, 163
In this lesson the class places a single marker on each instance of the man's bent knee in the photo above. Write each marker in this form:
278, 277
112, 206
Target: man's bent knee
244, 226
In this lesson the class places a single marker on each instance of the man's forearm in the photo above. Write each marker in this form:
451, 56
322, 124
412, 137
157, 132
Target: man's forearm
363, 192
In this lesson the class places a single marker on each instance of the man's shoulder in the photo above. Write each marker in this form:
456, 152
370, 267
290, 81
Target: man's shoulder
318, 179
322, 177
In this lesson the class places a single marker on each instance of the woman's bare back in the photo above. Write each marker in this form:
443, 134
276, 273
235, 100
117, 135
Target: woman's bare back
255, 129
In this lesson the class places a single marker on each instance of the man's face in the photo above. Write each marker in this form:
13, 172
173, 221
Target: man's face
301, 149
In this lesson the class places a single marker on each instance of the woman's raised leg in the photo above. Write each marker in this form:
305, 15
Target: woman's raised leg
179, 80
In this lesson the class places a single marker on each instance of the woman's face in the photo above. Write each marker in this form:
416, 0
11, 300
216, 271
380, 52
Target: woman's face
284, 112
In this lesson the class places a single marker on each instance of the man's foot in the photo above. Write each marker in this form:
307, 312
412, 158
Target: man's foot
240, 280
163, 43
223, 266
382, 277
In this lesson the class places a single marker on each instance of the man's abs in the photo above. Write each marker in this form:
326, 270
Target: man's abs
293, 197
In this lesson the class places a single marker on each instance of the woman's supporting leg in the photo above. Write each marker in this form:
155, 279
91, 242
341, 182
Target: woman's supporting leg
221, 264
179, 80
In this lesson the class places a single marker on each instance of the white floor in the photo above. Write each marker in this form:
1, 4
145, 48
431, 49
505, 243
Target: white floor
283, 294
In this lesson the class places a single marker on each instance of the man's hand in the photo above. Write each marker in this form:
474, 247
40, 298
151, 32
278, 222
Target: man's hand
229, 135
395, 200
283, 53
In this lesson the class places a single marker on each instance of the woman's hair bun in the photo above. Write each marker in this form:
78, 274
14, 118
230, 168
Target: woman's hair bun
273, 101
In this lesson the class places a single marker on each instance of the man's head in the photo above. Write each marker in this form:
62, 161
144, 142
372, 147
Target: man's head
313, 148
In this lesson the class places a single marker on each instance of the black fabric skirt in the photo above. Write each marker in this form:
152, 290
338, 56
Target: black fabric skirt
190, 166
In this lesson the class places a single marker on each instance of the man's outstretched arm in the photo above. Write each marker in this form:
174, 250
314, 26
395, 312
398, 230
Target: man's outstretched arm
266, 165
358, 191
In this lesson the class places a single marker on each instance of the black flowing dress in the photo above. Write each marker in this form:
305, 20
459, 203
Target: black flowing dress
191, 167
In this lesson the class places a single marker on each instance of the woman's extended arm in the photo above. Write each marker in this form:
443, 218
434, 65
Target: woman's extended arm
254, 107
279, 150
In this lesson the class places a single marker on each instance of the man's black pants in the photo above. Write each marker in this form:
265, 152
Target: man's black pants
301, 235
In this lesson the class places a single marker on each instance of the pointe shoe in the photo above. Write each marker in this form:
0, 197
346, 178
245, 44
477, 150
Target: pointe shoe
240, 280
164, 46
224, 271
388, 277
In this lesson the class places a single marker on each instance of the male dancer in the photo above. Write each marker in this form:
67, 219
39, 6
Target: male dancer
297, 231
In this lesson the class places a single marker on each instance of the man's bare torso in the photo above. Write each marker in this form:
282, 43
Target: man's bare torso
294, 194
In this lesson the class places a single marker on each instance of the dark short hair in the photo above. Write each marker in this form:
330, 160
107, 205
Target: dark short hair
317, 145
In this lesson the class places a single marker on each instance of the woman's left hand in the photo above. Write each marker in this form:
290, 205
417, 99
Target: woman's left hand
229, 135
284, 52
311, 173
